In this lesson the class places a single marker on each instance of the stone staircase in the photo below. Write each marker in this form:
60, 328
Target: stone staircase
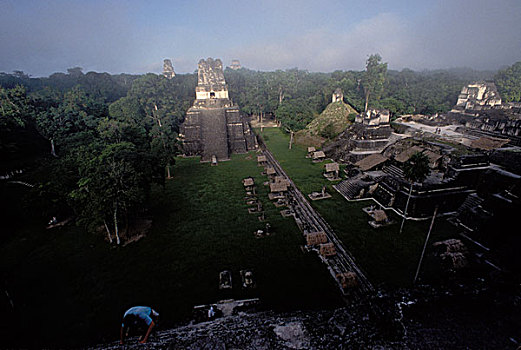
349, 188
471, 203
394, 171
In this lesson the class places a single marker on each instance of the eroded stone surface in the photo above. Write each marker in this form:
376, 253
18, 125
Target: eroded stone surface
293, 334
470, 320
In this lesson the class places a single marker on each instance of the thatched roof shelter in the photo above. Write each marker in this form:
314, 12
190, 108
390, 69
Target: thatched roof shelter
270, 171
261, 159
327, 249
319, 155
278, 187
330, 167
405, 155
316, 238
281, 179
371, 161
248, 182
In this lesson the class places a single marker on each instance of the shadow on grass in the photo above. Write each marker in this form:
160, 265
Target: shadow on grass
70, 288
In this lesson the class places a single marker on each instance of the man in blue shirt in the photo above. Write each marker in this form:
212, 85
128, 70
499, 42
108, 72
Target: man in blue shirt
136, 317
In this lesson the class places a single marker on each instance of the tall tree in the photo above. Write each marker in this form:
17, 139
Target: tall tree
72, 120
374, 78
112, 185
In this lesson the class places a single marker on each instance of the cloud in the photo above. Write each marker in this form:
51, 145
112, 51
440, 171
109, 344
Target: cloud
41, 36
473, 33
478, 34
326, 50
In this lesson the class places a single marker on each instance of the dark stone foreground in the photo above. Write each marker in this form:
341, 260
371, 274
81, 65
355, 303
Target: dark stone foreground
448, 322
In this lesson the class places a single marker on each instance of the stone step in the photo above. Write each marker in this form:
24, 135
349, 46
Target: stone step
471, 202
394, 171
349, 188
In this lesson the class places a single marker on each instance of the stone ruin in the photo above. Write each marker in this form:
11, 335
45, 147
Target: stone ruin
481, 113
373, 118
478, 96
168, 69
338, 96
369, 134
213, 126
235, 65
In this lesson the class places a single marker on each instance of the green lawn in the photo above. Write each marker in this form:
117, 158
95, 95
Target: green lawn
70, 287
386, 256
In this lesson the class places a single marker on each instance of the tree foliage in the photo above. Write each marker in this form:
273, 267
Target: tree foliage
416, 168
374, 78
508, 82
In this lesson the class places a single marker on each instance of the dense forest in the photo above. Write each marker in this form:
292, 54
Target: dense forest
98, 141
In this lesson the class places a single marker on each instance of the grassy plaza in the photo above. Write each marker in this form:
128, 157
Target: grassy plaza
385, 256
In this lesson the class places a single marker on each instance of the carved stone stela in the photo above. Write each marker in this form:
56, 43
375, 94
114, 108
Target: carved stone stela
213, 125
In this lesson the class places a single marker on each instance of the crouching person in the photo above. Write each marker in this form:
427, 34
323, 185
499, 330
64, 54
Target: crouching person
138, 317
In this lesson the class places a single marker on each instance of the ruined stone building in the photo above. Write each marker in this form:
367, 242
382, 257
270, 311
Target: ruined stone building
338, 95
213, 125
373, 117
235, 65
369, 134
478, 96
168, 69
480, 110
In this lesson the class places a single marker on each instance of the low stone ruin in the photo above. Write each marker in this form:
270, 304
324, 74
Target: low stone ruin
331, 171
318, 156
225, 280
314, 196
247, 279
380, 218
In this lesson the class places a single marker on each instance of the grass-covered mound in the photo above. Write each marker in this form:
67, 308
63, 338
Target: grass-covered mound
331, 122
70, 288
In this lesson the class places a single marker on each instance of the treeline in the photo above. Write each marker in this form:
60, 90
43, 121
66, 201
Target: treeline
508, 82
296, 96
100, 142
106, 138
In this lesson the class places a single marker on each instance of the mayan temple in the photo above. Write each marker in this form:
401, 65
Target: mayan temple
213, 127
168, 69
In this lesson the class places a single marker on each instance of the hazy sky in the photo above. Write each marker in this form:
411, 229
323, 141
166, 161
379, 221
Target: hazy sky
42, 37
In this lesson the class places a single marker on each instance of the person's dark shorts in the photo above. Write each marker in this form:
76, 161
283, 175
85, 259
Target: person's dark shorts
133, 321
